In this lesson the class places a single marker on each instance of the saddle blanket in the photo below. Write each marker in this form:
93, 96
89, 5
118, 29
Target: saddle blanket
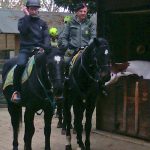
75, 58
25, 76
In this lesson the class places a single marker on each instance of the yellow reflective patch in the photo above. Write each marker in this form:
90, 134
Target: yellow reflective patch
25, 76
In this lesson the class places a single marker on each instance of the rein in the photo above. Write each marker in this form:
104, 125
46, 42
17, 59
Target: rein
78, 88
87, 72
44, 89
76, 84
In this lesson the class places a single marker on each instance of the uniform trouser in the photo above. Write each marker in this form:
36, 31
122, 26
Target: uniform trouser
67, 65
21, 64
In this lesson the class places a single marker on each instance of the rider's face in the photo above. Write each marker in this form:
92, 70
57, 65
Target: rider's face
33, 11
82, 13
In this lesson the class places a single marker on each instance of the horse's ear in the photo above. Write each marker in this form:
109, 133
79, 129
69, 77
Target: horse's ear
96, 42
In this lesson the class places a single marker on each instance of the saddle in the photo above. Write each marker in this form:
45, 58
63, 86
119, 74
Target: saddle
25, 76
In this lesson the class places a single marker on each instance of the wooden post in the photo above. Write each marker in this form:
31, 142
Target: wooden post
136, 107
125, 97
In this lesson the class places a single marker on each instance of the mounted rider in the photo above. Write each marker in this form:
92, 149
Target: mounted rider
53, 32
67, 19
77, 33
33, 33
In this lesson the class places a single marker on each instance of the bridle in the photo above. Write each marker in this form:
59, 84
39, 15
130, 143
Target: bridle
98, 66
46, 91
50, 80
58, 60
88, 74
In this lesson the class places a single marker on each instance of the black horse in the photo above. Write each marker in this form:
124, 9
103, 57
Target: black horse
89, 73
44, 83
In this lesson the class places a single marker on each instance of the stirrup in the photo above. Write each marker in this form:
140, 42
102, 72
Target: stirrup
16, 97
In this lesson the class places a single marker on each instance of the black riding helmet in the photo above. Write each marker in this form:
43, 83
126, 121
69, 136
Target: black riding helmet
33, 3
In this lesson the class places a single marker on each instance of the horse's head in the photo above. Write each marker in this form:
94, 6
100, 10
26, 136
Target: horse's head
100, 54
55, 66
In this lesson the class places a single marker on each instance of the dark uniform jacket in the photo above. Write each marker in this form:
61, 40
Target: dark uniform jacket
33, 33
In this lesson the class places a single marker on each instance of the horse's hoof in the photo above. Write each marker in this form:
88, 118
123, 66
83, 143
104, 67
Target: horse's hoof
27, 148
81, 146
59, 125
63, 132
87, 145
47, 148
68, 147
15, 148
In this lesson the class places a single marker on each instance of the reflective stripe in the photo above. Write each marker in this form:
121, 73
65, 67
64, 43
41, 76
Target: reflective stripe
54, 43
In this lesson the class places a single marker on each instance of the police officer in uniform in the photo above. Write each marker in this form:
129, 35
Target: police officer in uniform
53, 32
77, 33
33, 33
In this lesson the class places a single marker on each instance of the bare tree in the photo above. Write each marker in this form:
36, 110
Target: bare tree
46, 5
49, 5
15, 4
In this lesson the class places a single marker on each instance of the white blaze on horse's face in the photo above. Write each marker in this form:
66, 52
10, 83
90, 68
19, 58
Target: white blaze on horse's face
106, 52
57, 59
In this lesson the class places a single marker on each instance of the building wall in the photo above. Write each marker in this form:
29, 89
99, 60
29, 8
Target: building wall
9, 43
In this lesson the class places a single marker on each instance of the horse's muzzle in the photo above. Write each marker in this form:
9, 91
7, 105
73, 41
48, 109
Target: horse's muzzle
58, 89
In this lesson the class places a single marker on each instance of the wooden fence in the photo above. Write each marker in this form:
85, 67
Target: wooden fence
127, 108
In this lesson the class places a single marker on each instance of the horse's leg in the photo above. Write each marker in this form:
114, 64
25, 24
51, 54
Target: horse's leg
16, 117
48, 114
67, 117
63, 131
59, 112
78, 117
29, 128
88, 126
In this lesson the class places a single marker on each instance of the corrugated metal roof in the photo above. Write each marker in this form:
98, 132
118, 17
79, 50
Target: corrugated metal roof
9, 19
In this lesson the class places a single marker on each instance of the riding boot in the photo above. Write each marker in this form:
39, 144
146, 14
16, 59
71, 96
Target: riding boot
16, 97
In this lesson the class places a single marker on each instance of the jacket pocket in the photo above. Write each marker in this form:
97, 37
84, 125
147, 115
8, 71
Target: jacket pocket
74, 31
